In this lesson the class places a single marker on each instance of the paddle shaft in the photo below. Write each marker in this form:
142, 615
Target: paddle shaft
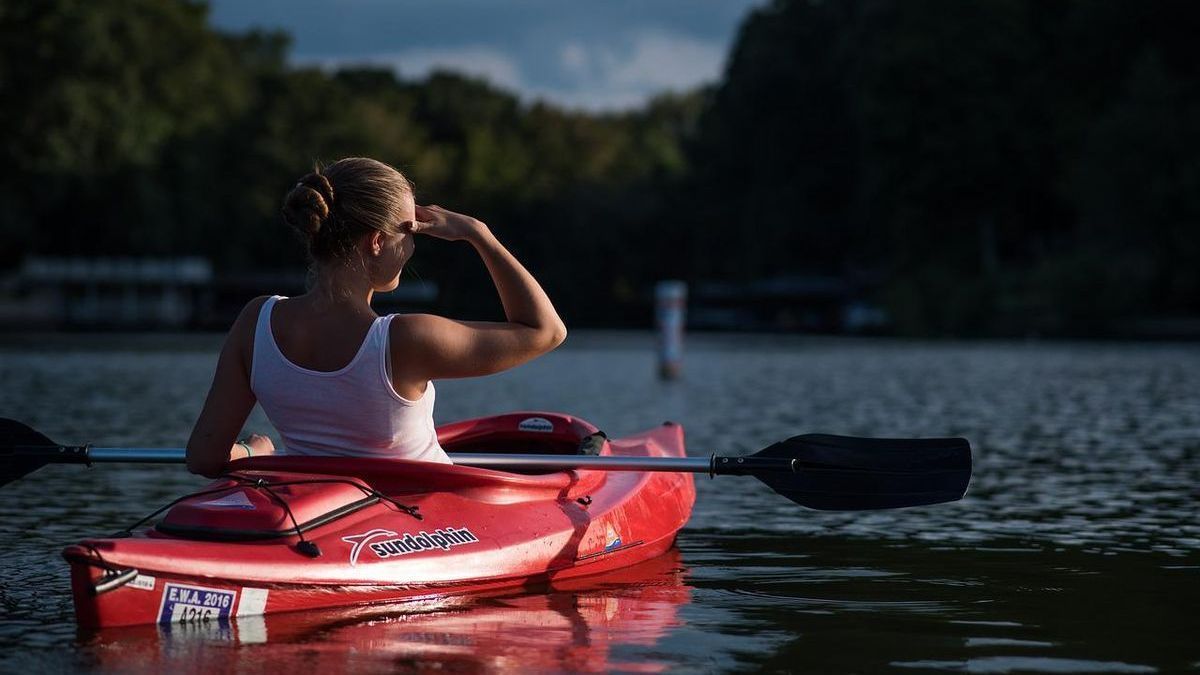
819, 471
84, 454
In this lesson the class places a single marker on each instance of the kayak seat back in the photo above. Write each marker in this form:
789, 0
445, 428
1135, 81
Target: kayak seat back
538, 433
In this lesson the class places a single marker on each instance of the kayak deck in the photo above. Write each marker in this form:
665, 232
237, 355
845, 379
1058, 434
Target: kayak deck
292, 533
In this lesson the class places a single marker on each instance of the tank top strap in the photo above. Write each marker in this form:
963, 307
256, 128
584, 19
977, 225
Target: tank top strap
383, 335
262, 335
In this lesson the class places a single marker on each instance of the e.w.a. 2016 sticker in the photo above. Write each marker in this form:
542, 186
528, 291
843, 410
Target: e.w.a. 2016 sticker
185, 604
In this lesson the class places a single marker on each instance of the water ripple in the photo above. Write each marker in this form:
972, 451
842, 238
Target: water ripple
1072, 552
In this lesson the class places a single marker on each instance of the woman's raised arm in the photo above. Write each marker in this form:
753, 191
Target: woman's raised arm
426, 347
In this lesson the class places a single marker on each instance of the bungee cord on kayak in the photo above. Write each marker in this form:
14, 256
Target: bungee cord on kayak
304, 546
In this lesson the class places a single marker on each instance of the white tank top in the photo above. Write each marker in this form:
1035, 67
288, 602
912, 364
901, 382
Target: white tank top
350, 412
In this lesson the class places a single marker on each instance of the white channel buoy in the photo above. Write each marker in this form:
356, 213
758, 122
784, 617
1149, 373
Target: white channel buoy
670, 301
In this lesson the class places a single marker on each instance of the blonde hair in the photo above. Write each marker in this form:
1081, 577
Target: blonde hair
333, 206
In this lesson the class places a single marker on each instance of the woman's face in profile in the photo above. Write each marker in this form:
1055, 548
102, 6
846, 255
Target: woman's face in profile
394, 253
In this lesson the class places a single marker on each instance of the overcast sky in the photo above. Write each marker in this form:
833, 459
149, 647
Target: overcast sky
600, 55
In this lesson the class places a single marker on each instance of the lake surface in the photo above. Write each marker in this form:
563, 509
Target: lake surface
1077, 549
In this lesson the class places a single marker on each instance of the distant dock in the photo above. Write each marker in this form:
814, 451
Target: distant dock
182, 293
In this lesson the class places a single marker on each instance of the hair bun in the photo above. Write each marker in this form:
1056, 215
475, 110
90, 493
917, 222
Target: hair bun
320, 183
371, 197
308, 204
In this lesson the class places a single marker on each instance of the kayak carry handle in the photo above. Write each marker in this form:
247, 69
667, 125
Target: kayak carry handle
113, 579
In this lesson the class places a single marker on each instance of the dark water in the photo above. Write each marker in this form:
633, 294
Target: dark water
1077, 549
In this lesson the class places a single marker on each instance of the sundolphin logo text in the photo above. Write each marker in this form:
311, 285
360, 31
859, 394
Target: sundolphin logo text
443, 538
360, 540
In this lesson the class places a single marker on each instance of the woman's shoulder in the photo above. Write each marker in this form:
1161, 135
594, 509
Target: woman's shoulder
241, 334
409, 329
249, 313
413, 324
409, 335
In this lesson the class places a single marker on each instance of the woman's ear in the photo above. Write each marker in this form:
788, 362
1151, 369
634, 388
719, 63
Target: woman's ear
376, 243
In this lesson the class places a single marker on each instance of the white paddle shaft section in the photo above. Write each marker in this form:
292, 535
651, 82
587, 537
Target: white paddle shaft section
137, 455
607, 463
481, 459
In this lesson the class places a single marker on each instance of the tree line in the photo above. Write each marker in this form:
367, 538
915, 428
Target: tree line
993, 167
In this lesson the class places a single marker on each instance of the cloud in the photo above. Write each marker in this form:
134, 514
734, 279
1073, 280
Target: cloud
478, 61
595, 75
660, 60
625, 74
573, 58
597, 55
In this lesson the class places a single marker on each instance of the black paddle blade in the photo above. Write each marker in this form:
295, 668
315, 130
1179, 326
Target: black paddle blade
841, 473
15, 439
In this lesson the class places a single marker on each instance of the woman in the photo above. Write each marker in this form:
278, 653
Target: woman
332, 376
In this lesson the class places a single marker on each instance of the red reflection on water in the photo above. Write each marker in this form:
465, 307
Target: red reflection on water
568, 626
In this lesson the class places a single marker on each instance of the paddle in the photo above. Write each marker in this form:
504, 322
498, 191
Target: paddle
814, 470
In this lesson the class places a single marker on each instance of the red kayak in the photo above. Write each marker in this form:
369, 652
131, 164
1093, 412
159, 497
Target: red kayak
281, 534
579, 625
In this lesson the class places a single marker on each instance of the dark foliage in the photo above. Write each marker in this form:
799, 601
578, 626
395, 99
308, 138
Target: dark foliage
998, 166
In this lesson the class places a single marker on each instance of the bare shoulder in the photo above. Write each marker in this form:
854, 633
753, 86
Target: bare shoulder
407, 330
248, 317
241, 334
411, 342
252, 308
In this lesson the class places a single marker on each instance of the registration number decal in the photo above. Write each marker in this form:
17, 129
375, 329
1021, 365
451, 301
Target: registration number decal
143, 581
187, 604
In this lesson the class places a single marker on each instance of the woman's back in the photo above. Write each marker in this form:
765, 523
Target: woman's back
319, 336
328, 401
334, 378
